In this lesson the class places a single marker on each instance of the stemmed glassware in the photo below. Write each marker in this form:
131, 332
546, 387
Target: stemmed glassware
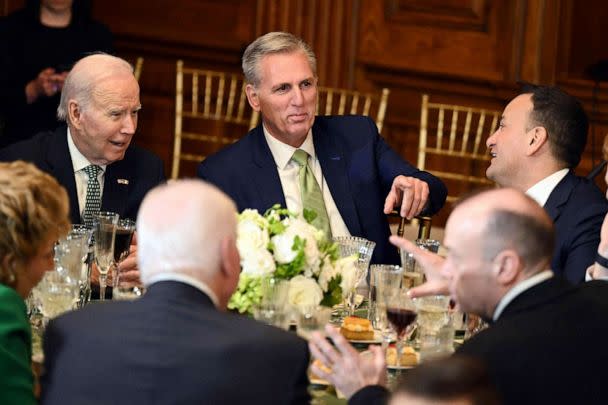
124, 289
401, 313
104, 235
363, 248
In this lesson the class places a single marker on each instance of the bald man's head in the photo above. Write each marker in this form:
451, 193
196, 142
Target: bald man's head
495, 240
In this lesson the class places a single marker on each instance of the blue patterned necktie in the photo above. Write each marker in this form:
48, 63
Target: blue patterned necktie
312, 198
92, 205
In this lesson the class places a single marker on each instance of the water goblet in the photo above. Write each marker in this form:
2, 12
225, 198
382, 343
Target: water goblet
87, 259
363, 248
312, 318
105, 233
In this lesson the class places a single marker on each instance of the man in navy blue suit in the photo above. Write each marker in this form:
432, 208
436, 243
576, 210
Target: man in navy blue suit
360, 178
100, 104
176, 344
539, 142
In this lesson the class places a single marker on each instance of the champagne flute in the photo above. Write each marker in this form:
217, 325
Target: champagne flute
105, 233
401, 313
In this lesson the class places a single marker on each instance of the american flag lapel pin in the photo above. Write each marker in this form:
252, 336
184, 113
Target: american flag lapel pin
122, 181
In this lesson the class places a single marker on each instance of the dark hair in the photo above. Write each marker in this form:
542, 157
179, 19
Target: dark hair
81, 11
532, 238
450, 378
564, 118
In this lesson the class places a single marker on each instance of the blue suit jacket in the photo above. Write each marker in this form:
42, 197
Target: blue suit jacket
125, 182
356, 162
577, 208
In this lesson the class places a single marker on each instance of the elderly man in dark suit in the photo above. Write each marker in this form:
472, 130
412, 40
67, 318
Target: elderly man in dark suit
93, 155
546, 341
354, 177
176, 345
539, 142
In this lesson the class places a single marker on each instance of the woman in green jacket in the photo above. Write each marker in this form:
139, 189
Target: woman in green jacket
33, 215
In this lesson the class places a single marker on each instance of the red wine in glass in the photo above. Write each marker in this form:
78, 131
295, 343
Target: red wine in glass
400, 319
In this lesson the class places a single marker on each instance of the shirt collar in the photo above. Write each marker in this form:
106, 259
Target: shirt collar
518, 289
540, 191
282, 153
79, 161
183, 278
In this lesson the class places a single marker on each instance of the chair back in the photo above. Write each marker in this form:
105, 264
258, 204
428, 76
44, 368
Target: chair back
452, 144
334, 101
211, 111
139, 63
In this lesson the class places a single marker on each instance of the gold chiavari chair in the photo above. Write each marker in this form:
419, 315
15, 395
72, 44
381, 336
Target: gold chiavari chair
456, 152
139, 63
204, 99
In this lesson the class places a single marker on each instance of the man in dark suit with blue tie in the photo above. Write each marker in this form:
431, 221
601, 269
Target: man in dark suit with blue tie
176, 344
538, 144
358, 178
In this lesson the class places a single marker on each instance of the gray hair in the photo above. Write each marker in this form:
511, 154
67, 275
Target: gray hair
272, 43
80, 83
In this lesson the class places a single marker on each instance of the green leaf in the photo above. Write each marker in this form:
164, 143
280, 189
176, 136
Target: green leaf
333, 296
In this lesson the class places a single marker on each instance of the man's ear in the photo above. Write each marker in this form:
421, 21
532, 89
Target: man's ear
537, 138
507, 265
74, 114
252, 97
230, 260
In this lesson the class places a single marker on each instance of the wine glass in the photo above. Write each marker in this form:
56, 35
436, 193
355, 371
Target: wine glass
363, 248
401, 313
87, 260
104, 234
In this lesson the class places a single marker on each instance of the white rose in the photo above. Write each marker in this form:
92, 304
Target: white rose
251, 237
346, 266
308, 233
258, 263
304, 292
283, 248
327, 273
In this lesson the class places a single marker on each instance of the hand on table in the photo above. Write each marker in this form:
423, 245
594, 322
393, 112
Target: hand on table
431, 263
350, 371
408, 195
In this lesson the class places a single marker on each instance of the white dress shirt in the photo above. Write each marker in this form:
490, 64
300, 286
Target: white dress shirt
290, 181
79, 162
540, 191
520, 288
183, 278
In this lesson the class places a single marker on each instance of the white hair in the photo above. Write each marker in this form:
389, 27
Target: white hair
80, 83
180, 228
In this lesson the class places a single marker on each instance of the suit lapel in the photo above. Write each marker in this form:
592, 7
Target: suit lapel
60, 165
264, 172
560, 195
117, 182
333, 165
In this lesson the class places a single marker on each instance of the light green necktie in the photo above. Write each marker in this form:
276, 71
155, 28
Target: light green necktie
312, 198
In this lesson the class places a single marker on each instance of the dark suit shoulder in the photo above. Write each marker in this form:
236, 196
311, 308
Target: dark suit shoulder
34, 149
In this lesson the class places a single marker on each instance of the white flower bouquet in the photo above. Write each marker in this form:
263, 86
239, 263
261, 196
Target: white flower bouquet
280, 245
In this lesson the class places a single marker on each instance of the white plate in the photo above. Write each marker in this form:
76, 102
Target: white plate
399, 368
